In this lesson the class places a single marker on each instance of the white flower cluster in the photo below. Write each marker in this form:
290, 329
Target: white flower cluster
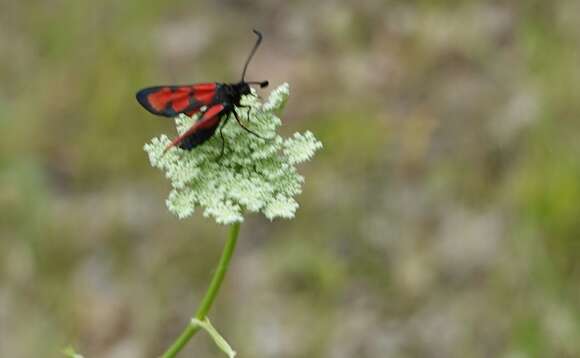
254, 174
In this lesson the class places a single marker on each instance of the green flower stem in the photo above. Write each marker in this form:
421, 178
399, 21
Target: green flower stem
210, 295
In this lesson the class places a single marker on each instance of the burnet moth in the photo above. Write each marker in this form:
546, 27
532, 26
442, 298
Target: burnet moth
214, 101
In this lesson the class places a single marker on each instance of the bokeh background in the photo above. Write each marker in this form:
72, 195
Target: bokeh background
440, 220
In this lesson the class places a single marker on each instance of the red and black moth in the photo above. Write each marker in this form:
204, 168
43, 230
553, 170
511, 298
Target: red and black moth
214, 101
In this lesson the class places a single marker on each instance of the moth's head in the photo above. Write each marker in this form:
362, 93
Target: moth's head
243, 88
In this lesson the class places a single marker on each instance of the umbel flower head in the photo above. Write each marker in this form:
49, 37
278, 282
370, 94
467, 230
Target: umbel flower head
254, 174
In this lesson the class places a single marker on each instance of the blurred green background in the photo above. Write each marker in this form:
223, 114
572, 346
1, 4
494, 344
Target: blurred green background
440, 220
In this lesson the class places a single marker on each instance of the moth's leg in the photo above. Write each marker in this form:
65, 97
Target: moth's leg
247, 113
247, 130
222, 137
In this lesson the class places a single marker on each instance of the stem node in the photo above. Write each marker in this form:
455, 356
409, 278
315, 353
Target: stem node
209, 296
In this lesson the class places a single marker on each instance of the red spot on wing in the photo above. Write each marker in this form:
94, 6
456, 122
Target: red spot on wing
209, 119
180, 104
204, 97
204, 92
204, 87
158, 100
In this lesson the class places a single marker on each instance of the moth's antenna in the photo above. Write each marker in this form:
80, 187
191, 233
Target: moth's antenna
261, 83
252, 53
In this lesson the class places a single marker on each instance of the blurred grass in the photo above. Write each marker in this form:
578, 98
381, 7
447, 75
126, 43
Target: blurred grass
440, 219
